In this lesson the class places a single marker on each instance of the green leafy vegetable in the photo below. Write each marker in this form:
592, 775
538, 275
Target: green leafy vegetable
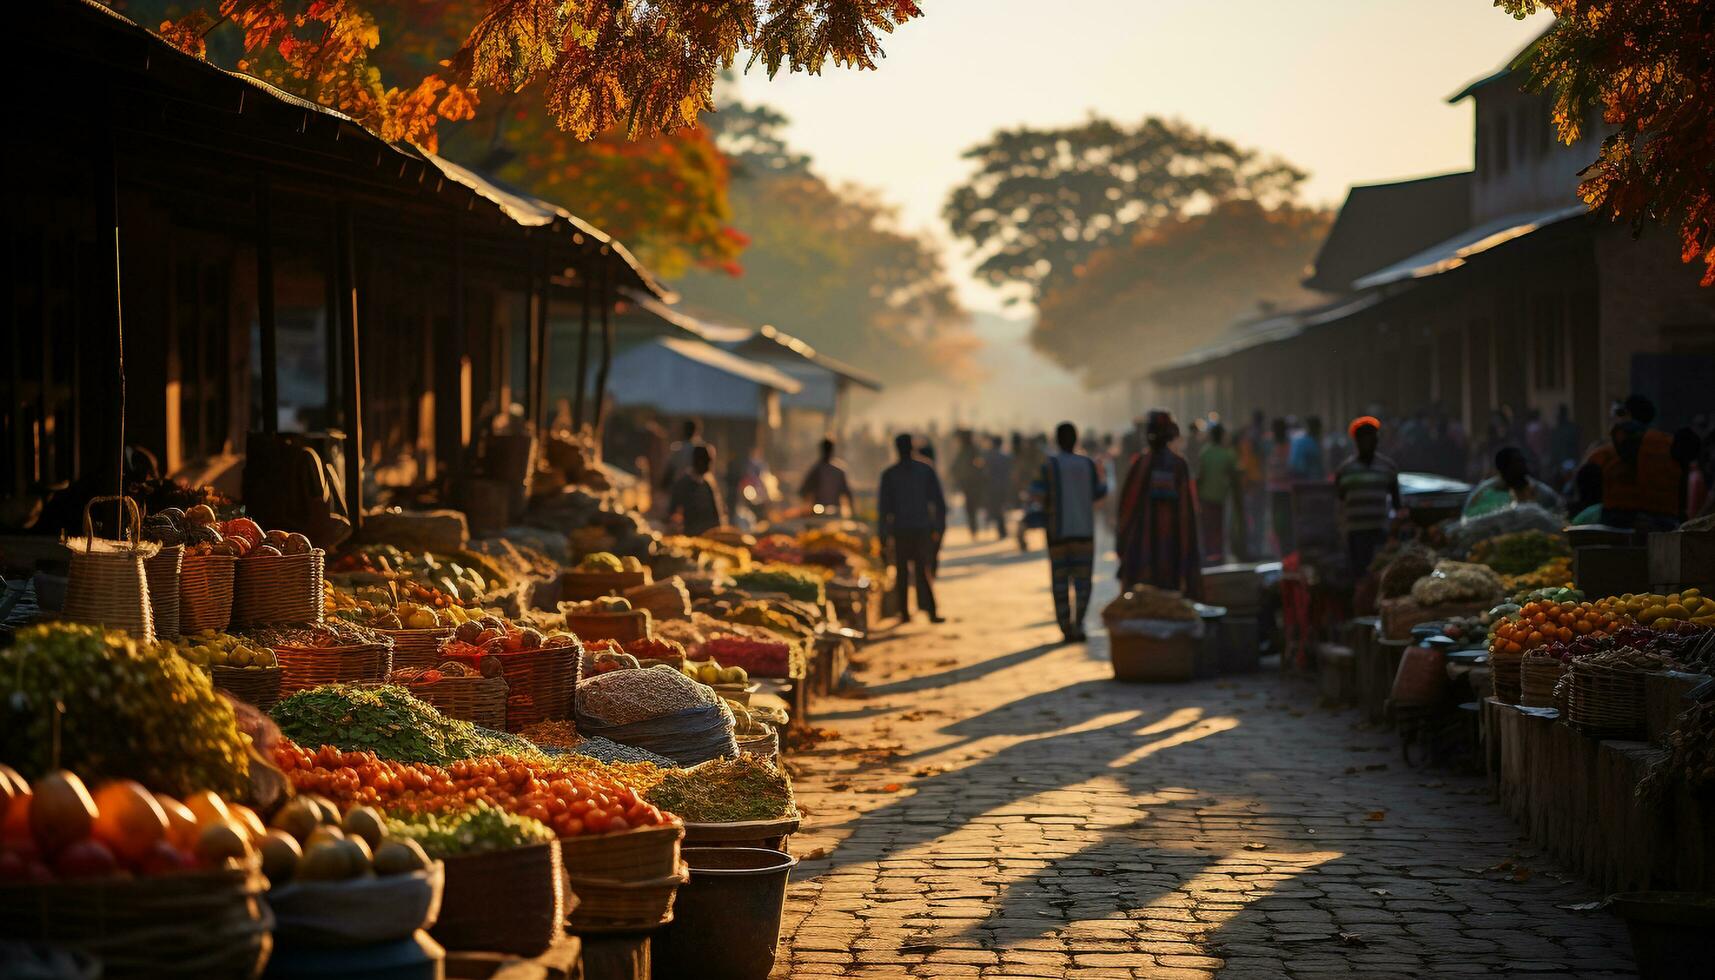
390, 722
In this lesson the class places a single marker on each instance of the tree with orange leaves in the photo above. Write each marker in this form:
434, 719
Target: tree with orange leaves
1646, 65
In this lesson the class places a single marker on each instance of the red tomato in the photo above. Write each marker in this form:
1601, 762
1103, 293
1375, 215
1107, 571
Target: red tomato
597, 821
571, 826
618, 824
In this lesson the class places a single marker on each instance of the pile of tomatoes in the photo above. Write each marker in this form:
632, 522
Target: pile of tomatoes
1542, 622
574, 797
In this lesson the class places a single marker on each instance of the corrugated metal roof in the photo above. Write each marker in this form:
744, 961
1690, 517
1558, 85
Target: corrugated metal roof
1456, 251
1380, 224
725, 361
733, 337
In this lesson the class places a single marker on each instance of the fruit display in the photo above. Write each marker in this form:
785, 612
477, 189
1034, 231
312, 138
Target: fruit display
388, 721
607, 660
210, 648
572, 794
423, 676
1549, 593
1520, 551
761, 658
54, 828
1454, 581
830, 539
796, 581
769, 618
601, 561
1539, 623
656, 648
202, 533
725, 791
1149, 602
478, 830
116, 709
597, 607
316, 636
1553, 573
308, 840
711, 672
421, 576
493, 636
1659, 611
624, 697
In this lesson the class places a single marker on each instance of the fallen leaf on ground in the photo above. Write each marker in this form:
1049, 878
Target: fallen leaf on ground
1352, 939
1256, 846
1377, 815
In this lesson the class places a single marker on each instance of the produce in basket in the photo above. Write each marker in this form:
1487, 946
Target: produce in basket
124, 710
571, 794
760, 658
1454, 581
1462, 535
1148, 602
601, 561
1555, 573
711, 672
332, 633
624, 697
481, 829
310, 841
1540, 623
213, 649
55, 828
798, 582
1520, 551
726, 791
388, 721
1661, 611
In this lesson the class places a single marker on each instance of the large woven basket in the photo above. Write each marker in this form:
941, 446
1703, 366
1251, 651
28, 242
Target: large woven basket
163, 573
418, 648
306, 667
511, 901
621, 626
278, 589
205, 593
607, 904
1605, 702
1537, 679
107, 585
764, 745
259, 686
549, 679
1504, 673
190, 924
640, 854
478, 700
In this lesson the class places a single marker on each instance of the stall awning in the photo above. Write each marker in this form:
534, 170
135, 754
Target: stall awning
1282, 326
1456, 251
679, 376
713, 357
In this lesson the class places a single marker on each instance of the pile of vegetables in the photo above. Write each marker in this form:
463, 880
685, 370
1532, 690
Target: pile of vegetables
1454, 581
1520, 551
792, 580
1536, 624
1149, 602
116, 709
480, 829
1553, 573
1413, 562
726, 791
1464, 534
573, 795
388, 721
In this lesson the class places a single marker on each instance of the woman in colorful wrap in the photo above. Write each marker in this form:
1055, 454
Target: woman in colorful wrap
1158, 543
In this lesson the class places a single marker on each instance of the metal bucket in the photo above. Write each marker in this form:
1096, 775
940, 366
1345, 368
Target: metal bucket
726, 919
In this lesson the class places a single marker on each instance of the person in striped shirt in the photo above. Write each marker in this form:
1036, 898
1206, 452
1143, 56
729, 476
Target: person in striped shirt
1367, 485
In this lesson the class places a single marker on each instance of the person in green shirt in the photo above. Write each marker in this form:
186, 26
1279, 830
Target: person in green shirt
1218, 482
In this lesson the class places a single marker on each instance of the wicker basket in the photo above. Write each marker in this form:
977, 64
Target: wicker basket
642, 854
621, 626
259, 686
1605, 702
510, 901
764, 745
607, 904
205, 593
771, 834
551, 682
1537, 678
418, 648
278, 589
190, 924
107, 585
1504, 673
478, 700
163, 573
306, 667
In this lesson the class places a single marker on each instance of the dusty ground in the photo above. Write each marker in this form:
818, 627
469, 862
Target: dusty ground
991, 803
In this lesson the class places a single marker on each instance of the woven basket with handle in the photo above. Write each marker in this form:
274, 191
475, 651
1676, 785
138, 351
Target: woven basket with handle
1603, 701
107, 585
163, 572
205, 593
278, 589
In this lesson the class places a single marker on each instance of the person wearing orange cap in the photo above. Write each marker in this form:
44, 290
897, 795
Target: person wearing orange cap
1367, 485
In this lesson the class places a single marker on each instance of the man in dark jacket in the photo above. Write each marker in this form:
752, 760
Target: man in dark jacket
695, 504
913, 519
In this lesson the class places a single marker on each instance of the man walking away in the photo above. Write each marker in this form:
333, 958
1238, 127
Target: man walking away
1218, 484
913, 518
679, 458
968, 476
695, 504
1068, 487
825, 486
1279, 470
998, 494
1309, 463
1367, 484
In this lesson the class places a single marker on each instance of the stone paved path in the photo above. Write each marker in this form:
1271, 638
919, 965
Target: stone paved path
993, 804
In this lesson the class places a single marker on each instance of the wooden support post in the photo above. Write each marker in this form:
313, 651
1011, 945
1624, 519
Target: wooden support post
450, 353
345, 272
107, 214
544, 290
584, 274
606, 349
265, 312
533, 344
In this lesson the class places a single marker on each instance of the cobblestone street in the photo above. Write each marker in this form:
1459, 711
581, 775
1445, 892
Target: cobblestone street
992, 804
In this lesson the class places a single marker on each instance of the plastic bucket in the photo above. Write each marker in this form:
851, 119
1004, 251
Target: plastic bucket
726, 919
1668, 931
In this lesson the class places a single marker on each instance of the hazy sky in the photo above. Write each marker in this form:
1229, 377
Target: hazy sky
1354, 91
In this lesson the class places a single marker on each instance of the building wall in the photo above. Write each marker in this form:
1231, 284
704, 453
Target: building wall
1650, 303
1521, 164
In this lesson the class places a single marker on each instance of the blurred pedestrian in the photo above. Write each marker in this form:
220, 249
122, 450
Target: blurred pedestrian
1367, 485
1278, 466
1308, 461
968, 477
1512, 484
1219, 485
825, 486
913, 516
1067, 488
695, 504
1158, 542
998, 491
679, 457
